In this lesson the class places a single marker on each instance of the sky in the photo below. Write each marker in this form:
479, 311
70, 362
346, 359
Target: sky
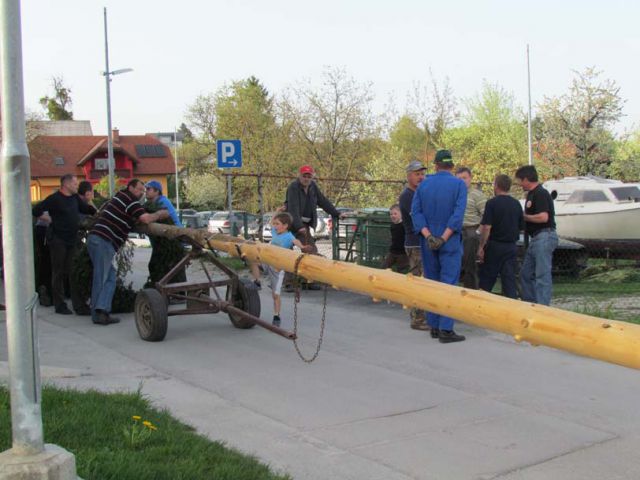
179, 50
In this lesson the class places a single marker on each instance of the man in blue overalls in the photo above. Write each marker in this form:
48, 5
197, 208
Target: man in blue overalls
437, 212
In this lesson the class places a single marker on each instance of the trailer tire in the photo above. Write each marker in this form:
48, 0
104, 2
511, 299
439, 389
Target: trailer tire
151, 315
246, 298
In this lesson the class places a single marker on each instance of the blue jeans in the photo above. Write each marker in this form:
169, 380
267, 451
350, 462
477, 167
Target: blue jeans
101, 252
535, 275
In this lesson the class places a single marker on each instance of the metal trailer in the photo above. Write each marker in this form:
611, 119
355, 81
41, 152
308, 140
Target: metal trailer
239, 298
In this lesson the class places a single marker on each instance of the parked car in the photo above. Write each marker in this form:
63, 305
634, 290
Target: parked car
205, 216
221, 223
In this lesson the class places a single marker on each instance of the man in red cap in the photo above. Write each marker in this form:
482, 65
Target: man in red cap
303, 199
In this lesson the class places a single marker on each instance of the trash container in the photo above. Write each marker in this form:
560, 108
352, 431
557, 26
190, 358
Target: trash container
375, 237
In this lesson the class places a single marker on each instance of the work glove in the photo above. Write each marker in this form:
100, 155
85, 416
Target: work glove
434, 242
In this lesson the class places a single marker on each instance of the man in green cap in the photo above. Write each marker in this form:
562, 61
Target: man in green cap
437, 212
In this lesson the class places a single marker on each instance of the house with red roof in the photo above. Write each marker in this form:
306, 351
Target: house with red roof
136, 156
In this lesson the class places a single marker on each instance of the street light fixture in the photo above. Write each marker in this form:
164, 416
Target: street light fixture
107, 75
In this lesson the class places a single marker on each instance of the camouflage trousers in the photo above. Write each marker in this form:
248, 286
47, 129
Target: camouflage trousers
418, 317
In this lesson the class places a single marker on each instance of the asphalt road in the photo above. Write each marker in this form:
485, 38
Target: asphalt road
382, 401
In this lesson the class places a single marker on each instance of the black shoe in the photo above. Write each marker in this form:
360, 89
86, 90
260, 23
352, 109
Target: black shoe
103, 318
62, 309
276, 321
435, 333
82, 311
449, 336
257, 284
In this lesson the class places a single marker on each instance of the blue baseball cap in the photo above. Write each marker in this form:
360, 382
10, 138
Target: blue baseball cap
154, 184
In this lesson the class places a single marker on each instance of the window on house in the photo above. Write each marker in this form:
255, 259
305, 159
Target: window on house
101, 164
58, 160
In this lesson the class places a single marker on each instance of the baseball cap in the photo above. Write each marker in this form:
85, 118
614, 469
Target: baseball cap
307, 169
154, 184
443, 156
415, 166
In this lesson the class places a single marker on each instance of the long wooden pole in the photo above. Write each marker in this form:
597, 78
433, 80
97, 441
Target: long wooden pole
608, 340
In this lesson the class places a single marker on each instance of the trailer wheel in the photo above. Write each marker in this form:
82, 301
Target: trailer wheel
151, 315
246, 298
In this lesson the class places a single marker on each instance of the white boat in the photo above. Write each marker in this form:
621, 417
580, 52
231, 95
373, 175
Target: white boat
602, 214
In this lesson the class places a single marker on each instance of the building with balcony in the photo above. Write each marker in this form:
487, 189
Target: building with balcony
136, 156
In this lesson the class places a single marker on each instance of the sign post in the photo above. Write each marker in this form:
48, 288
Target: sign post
229, 153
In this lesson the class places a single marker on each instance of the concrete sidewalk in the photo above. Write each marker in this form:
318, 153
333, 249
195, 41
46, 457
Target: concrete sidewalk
381, 402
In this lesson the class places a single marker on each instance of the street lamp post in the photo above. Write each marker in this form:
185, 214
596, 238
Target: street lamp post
107, 75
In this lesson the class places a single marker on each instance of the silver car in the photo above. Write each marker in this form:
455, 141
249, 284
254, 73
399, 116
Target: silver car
220, 222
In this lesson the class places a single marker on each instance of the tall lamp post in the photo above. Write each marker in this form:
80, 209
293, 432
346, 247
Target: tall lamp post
107, 75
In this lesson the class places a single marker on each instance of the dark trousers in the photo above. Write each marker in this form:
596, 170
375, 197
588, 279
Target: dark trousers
499, 259
61, 255
399, 260
470, 244
42, 259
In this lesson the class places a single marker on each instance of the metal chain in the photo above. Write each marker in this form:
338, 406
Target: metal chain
296, 300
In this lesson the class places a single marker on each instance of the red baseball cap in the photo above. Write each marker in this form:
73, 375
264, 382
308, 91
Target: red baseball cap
307, 169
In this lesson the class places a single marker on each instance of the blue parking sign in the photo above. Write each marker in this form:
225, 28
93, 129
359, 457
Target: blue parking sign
229, 153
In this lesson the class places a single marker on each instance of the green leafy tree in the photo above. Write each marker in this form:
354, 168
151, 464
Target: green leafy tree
205, 191
408, 139
576, 128
626, 159
58, 107
492, 138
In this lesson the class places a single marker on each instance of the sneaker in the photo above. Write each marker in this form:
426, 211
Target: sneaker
276, 321
62, 309
449, 336
435, 333
257, 284
45, 298
420, 326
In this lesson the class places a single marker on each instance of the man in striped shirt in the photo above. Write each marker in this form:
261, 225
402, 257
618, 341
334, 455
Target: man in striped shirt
111, 230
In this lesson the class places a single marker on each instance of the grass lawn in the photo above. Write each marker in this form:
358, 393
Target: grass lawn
563, 287
108, 435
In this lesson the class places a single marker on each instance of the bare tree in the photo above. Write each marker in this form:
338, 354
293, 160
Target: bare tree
334, 123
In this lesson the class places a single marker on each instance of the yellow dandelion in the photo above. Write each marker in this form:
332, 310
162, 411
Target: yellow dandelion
147, 423
137, 417
151, 427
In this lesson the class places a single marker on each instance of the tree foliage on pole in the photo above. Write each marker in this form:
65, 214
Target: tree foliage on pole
58, 107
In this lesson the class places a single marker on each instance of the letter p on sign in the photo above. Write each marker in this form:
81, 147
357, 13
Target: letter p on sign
229, 153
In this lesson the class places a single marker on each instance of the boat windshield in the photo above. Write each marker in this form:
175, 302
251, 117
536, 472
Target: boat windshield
630, 193
587, 196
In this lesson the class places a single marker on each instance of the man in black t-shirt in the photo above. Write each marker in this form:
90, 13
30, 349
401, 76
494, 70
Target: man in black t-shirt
500, 229
64, 207
540, 225
397, 255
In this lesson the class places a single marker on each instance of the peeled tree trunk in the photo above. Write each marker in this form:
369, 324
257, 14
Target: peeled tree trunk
608, 340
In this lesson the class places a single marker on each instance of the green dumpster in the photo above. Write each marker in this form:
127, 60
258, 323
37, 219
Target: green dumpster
374, 237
